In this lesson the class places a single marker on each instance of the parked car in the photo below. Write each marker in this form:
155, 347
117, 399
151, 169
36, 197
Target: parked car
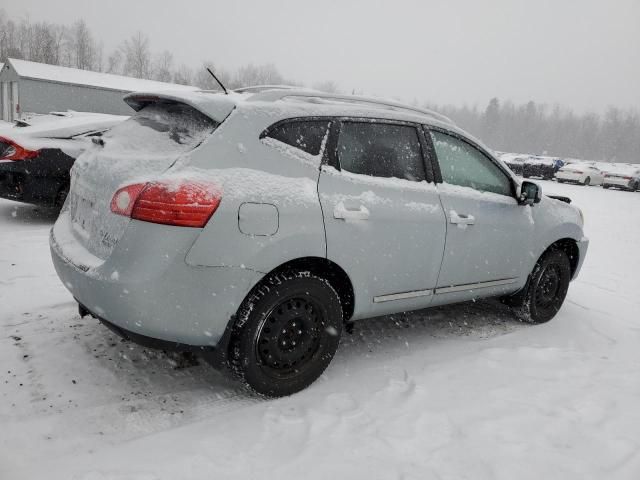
580, 173
36, 155
543, 167
515, 163
253, 227
627, 179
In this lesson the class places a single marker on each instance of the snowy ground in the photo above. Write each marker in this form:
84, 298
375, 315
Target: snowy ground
451, 393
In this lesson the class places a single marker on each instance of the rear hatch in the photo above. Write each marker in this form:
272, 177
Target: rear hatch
137, 150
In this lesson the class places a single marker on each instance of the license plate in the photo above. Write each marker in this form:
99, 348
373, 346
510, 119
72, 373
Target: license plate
82, 212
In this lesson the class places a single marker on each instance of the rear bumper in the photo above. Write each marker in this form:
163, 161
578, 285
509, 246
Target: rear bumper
566, 177
36, 181
146, 289
618, 183
216, 356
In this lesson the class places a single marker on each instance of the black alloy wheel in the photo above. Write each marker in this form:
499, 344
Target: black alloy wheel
290, 336
545, 290
286, 333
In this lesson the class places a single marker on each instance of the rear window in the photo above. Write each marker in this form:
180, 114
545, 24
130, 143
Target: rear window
161, 127
381, 150
307, 135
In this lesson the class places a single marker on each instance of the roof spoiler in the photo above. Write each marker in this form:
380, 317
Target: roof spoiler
215, 106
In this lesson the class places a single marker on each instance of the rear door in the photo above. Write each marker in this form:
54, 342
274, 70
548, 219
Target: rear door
383, 219
488, 243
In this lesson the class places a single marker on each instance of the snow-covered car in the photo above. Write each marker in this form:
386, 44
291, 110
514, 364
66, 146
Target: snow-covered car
253, 227
543, 167
624, 179
581, 173
514, 162
36, 154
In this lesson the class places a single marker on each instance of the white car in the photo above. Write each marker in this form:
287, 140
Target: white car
580, 173
624, 179
252, 227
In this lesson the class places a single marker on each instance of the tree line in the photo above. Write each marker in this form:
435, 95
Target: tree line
527, 128
75, 46
540, 129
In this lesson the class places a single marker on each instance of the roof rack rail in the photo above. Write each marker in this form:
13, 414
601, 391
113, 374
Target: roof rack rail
263, 88
278, 94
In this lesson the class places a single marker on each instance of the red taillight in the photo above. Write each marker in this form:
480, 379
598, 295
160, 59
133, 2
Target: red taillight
183, 204
13, 151
125, 198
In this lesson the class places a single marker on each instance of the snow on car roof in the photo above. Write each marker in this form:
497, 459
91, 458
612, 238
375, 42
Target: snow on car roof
54, 73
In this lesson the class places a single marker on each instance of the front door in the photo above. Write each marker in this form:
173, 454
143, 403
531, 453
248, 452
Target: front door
488, 244
384, 222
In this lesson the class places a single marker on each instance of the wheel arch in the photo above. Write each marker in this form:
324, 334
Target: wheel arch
326, 269
570, 247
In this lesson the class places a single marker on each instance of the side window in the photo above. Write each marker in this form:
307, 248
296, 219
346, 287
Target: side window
466, 166
381, 150
307, 135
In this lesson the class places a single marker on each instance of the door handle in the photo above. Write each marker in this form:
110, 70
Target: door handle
461, 218
343, 213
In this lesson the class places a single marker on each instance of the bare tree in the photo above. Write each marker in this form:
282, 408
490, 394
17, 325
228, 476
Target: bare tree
83, 46
266, 74
137, 56
183, 75
114, 62
163, 67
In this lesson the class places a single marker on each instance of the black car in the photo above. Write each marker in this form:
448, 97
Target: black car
515, 164
544, 168
36, 158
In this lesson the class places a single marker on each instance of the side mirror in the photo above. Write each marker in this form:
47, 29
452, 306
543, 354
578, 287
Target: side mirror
529, 193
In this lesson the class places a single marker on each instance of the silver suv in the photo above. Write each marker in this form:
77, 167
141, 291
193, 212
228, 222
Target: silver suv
252, 227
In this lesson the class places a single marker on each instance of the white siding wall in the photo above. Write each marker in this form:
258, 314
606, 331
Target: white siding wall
41, 96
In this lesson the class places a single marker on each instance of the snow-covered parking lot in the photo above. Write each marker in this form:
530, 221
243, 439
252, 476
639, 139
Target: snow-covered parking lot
451, 393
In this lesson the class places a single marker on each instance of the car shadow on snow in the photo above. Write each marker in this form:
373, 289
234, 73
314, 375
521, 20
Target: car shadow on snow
393, 334
25, 213
153, 371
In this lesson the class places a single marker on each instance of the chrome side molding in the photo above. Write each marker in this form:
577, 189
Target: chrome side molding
441, 290
474, 286
403, 295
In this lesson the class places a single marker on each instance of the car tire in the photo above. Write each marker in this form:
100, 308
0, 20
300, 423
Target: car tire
286, 333
545, 290
587, 181
606, 187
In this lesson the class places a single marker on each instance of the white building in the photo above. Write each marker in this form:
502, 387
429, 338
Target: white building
30, 87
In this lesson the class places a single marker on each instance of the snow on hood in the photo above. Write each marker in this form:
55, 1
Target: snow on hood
64, 125
54, 131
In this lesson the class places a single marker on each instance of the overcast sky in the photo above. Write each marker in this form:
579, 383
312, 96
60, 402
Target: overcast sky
582, 54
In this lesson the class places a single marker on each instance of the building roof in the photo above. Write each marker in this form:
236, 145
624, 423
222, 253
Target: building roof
74, 76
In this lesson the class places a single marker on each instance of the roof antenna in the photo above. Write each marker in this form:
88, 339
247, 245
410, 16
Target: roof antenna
216, 79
